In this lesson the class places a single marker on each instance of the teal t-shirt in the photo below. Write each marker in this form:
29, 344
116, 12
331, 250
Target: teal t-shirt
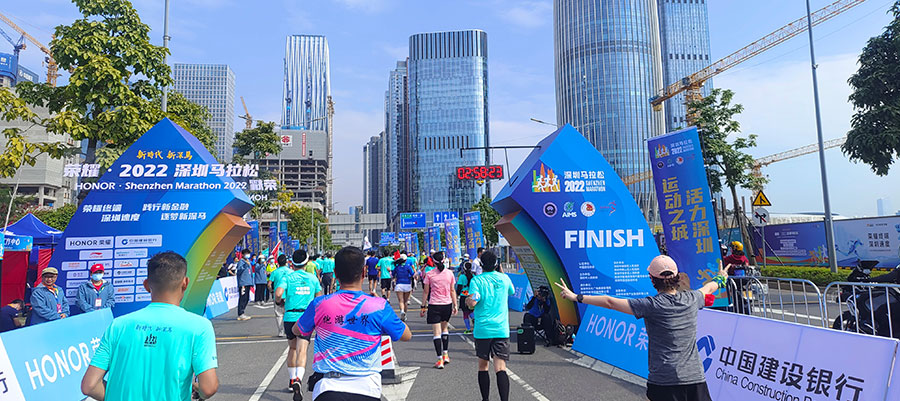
170, 341
328, 266
492, 309
300, 288
386, 264
278, 274
463, 281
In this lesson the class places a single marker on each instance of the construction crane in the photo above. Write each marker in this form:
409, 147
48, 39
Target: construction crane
247, 117
759, 163
18, 45
52, 67
692, 84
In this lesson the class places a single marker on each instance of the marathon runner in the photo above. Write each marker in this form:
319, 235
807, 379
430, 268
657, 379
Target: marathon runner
153, 353
440, 295
372, 270
295, 291
349, 325
385, 265
671, 319
403, 274
327, 266
462, 288
276, 275
488, 297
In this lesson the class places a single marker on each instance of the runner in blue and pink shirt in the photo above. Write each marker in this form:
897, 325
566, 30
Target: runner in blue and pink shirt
349, 325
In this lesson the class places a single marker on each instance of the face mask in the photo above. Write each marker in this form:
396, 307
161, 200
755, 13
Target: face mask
247, 256
97, 276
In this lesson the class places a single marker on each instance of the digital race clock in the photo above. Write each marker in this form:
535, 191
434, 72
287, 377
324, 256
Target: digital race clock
480, 172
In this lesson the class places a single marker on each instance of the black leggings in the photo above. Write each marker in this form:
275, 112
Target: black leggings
262, 292
244, 299
338, 396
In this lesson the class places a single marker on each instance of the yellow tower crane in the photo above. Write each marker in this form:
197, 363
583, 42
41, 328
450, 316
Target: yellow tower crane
247, 117
52, 67
692, 84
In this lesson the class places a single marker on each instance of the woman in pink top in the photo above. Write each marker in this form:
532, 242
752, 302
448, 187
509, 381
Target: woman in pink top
440, 302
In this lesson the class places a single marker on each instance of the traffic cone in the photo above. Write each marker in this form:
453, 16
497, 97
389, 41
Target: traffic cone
388, 362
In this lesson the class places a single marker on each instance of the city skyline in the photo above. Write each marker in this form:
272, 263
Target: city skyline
774, 87
211, 86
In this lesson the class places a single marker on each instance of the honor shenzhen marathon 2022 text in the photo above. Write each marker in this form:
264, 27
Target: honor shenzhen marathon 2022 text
568, 216
165, 193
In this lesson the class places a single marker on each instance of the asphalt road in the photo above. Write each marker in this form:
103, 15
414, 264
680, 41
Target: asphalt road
251, 366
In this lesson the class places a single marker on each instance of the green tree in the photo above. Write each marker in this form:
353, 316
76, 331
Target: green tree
302, 226
57, 218
257, 143
489, 217
19, 150
874, 136
114, 90
19, 206
726, 162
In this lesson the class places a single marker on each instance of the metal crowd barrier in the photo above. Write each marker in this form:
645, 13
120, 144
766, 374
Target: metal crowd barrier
863, 308
793, 300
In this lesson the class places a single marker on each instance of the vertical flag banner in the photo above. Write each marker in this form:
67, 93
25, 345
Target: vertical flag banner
166, 192
451, 232
415, 243
253, 237
568, 216
273, 239
434, 238
685, 206
286, 243
474, 233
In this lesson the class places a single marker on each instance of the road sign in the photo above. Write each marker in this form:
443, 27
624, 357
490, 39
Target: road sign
760, 216
412, 220
761, 200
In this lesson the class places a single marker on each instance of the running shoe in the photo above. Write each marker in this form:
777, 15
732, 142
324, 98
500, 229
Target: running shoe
402, 316
243, 317
446, 359
296, 388
467, 332
439, 364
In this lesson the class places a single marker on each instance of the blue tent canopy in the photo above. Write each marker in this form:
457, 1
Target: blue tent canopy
31, 226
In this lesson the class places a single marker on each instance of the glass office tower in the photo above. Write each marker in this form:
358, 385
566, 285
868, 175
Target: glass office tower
448, 110
684, 36
607, 66
211, 86
397, 149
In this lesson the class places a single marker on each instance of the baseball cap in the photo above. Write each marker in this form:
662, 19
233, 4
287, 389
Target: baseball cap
49, 270
465, 256
96, 267
660, 264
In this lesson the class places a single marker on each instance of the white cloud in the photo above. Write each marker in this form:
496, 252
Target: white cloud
778, 103
528, 14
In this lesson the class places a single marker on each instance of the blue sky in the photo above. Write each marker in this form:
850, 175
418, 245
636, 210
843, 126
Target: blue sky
367, 37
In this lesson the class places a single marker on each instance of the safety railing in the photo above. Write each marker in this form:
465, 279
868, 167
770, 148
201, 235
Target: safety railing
866, 308
793, 300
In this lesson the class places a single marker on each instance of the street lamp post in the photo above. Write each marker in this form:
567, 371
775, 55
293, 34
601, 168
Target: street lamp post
165, 94
829, 223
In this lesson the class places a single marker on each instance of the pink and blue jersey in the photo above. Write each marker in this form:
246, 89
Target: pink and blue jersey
349, 326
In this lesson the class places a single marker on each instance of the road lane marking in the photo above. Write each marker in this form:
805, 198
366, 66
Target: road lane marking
269, 377
528, 388
250, 342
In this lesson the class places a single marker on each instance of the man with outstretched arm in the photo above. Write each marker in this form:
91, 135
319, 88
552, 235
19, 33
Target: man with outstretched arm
675, 373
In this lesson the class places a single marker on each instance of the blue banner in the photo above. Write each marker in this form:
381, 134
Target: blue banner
286, 243
451, 232
47, 361
216, 302
15, 243
252, 237
415, 243
440, 217
410, 221
165, 192
405, 239
474, 233
685, 206
295, 244
387, 238
433, 239
273, 238
523, 293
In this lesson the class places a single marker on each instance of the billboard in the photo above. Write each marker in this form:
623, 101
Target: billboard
165, 192
569, 217
685, 206
410, 221
876, 238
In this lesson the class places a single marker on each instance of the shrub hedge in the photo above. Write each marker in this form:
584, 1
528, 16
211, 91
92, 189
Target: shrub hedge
821, 276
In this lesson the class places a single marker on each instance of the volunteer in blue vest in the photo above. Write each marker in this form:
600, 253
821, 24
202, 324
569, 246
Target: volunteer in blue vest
48, 302
96, 293
245, 283
154, 353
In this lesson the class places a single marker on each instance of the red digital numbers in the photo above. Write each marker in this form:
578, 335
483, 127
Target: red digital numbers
480, 173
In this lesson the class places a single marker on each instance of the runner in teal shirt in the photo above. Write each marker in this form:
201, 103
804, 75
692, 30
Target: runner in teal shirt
295, 291
274, 279
386, 266
154, 353
488, 294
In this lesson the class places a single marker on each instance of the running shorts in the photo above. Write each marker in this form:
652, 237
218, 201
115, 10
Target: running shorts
438, 313
385, 284
290, 333
685, 392
496, 347
373, 277
403, 287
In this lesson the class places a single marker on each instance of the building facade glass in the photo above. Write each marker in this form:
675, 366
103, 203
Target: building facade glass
374, 175
607, 67
684, 36
398, 151
448, 110
211, 86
